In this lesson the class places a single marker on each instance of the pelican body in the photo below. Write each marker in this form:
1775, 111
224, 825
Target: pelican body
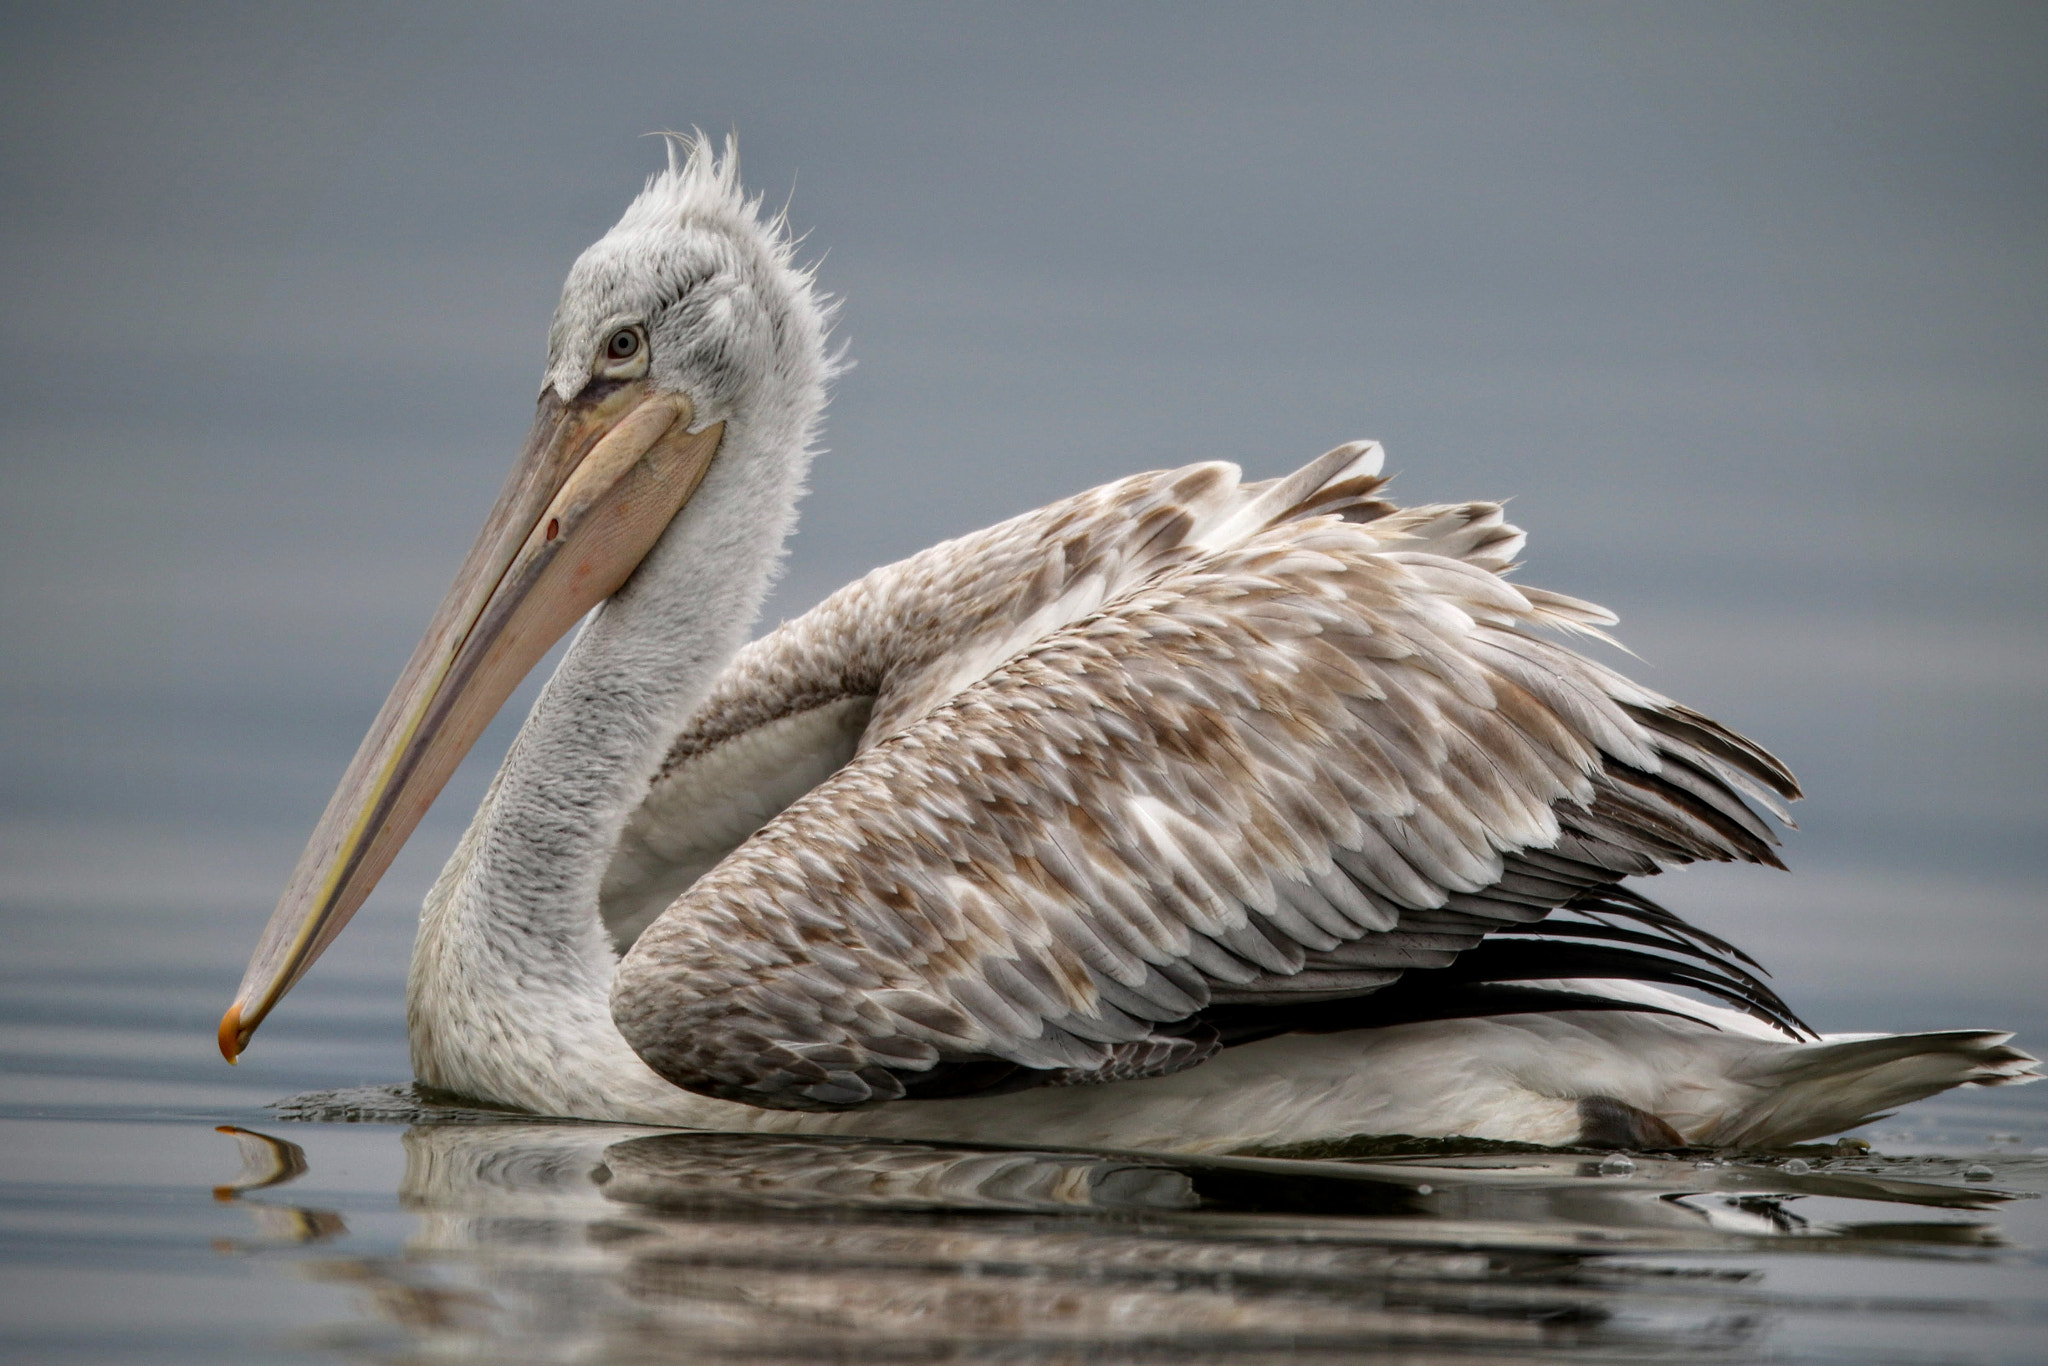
1186, 813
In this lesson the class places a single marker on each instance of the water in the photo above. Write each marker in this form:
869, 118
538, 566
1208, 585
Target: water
155, 1206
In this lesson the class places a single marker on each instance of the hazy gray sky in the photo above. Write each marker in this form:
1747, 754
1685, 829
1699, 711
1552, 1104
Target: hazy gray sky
1743, 304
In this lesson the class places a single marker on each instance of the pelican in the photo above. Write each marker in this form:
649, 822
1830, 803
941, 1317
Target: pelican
1188, 813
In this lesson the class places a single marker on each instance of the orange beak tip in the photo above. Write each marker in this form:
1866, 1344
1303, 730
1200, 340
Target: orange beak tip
231, 1040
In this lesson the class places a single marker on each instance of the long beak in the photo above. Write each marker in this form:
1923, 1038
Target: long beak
600, 479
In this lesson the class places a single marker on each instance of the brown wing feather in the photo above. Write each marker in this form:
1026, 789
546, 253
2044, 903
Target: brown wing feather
1290, 744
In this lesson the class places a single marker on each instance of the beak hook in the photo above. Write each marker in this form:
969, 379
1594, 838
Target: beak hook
231, 1040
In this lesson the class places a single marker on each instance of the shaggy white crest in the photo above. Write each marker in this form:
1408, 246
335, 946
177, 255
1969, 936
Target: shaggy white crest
731, 318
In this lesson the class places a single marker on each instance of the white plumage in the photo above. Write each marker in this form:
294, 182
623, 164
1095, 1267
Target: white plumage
1184, 813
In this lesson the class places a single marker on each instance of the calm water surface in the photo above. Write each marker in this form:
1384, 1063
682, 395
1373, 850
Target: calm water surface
158, 1207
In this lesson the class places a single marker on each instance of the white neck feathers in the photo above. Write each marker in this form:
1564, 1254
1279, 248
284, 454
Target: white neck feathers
511, 974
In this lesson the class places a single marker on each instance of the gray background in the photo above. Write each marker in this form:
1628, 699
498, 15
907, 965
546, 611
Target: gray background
1742, 303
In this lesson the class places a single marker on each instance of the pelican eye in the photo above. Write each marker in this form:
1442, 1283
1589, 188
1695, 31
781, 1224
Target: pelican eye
624, 353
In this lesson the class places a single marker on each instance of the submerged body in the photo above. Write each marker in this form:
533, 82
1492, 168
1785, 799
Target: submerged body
1534, 1077
1187, 813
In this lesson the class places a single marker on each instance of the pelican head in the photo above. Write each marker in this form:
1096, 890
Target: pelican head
685, 337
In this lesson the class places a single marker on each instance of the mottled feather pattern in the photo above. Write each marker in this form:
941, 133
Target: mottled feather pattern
1174, 744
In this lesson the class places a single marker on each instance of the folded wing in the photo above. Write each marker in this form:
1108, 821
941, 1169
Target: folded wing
1173, 751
